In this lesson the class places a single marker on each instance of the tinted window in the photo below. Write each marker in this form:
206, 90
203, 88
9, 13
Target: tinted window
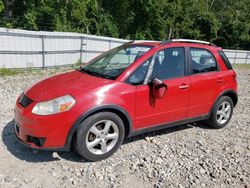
202, 61
225, 60
169, 63
139, 75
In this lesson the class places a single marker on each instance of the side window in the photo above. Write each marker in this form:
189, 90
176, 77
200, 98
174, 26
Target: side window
169, 63
138, 76
202, 60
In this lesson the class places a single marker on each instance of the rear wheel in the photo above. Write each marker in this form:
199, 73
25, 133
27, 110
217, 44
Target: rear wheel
222, 113
99, 136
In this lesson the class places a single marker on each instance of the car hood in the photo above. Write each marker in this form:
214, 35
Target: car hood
64, 84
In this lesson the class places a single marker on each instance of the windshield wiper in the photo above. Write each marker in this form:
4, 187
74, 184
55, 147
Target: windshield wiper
89, 72
96, 73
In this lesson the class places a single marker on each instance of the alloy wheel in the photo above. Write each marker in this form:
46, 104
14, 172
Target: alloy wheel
223, 112
102, 137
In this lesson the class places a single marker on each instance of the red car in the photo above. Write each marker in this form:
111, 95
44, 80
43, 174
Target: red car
129, 90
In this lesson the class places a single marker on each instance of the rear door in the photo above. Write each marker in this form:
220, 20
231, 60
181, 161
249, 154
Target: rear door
206, 81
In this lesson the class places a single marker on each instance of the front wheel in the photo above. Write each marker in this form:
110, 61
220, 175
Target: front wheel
99, 136
221, 113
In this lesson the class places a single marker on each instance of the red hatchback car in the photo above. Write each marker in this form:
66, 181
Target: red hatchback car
131, 89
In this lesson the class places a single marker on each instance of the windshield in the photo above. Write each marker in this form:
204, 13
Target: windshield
112, 63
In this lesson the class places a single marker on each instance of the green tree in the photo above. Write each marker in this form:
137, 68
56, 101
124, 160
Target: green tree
1, 6
226, 23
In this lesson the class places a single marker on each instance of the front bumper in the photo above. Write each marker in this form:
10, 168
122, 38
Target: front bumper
34, 146
42, 132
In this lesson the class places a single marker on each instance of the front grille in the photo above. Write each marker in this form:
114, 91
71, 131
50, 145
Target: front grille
24, 101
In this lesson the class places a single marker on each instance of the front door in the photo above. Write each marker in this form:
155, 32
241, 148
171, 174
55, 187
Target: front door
169, 67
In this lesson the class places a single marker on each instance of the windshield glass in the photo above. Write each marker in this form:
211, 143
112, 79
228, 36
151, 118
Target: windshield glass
111, 64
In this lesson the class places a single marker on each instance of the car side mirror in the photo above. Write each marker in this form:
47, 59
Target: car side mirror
159, 88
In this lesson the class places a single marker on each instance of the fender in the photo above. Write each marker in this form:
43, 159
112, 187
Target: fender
96, 109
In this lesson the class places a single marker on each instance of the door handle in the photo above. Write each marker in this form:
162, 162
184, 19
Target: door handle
219, 80
184, 86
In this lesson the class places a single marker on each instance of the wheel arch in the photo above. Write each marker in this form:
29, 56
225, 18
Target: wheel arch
231, 93
123, 114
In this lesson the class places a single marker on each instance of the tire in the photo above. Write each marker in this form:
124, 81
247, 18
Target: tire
98, 130
220, 117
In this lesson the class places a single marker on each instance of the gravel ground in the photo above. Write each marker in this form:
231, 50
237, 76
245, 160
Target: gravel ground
186, 156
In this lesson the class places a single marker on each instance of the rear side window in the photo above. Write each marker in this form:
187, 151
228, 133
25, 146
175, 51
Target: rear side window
225, 60
202, 61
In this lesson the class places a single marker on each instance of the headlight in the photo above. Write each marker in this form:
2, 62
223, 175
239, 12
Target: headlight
57, 105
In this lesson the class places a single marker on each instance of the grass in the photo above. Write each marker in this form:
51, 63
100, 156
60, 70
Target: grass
8, 72
241, 66
36, 71
77, 64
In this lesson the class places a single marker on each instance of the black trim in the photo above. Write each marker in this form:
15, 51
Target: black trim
77, 123
226, 92
225, 60
168, 125
187, 60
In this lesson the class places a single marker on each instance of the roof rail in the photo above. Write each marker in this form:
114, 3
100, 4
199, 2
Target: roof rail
187, 40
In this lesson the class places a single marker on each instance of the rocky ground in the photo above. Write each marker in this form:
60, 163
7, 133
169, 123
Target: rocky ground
186, 156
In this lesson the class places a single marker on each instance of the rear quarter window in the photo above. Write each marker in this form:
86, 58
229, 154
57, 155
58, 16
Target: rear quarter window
225, 60
202, 61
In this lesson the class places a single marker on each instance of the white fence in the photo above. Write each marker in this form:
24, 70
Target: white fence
23, 49
39, 49
238, 56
